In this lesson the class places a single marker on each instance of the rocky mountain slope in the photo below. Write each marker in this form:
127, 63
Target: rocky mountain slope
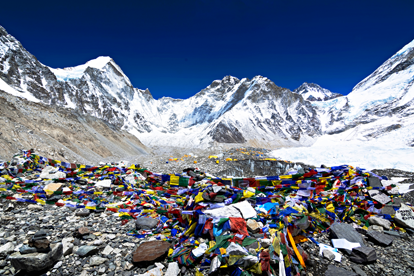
381, 103
313, 92
62, 134
228, 112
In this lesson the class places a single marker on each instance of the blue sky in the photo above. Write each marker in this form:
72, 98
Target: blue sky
176, 48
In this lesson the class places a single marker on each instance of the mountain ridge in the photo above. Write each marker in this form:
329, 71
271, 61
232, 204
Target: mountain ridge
229, 111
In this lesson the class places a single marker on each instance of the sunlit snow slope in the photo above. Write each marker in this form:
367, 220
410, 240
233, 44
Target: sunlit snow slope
373, 126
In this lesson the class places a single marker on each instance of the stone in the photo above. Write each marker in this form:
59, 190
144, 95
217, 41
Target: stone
388, 210
146, 223
82, 212
376, 228
67, 246
40, 245
397, 202
405, 216
358, 270
379, 238
392, 233
101, 270
25, 249
6, 249
150, 252
35, 207
382, 198
328, 254
58, 264
173, 269
39, 235
380, 221
266, 243
363, 255
337, 271
36, 261
80, 232
52, 187
345, 231
95, 260
50, 172
108, 250
87, 250
252, 226
374, 182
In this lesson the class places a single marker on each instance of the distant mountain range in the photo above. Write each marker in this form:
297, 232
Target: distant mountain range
228, 112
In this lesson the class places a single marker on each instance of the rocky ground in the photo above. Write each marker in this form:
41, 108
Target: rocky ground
99, 243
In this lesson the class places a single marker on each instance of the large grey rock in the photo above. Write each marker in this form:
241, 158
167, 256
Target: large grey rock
346, 231
382, 198
95, 260
67, 246
380, 221
87, 250
405, 216
146, 223
25, 249
374, 182
358, 270
379, 238
35, 207
108, 250
6, 249
36, 261
363, 255
328, 254
82, 212
337, 271
388, 210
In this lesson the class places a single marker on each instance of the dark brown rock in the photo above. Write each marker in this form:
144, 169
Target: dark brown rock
150, 252
82, 231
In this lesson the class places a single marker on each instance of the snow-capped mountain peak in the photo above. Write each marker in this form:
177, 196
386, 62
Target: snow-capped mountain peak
313, 92
76, 72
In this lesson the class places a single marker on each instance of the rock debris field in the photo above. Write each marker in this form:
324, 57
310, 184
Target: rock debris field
62, 218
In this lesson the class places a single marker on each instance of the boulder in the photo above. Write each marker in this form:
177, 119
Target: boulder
363, 255
328, 254
67, 246
379, 238
82, 212
35, 207
87, 250
380, 221
146, 223
6, 249
150, 252
388, 210
405, 216
95, 260
36, 261
337, 271
345, 231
